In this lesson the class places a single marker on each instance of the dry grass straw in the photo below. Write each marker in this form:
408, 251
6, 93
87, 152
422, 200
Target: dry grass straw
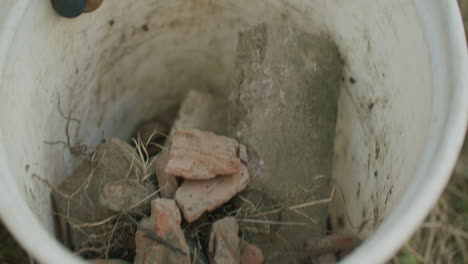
252, 214
443, 237
141, 147
77, 149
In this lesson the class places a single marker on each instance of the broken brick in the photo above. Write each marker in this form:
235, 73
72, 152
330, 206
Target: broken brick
164, 223
167, 183
198, 155
196, 197
250, 254
199, 110
224, 243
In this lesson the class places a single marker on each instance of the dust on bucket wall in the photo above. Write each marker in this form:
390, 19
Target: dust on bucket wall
278, 77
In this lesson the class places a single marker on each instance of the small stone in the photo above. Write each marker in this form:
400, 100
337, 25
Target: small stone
92, 5
167, 183
123, 195
109, 261
196, 197
165, 222
198, 155
243, 156
250, 254
224, 243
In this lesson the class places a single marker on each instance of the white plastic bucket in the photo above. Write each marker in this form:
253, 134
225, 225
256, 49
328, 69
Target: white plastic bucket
400, 125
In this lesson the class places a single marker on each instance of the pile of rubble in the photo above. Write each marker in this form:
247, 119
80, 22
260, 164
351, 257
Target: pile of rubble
101, 208
213, 170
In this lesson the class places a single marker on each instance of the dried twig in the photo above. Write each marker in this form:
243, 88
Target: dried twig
83, 185
452, 230
51, 186
298, 206
111, 235
77, 149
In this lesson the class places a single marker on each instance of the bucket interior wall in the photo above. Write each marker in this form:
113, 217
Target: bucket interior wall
133, 59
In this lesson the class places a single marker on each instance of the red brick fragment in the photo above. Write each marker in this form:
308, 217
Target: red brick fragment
250, 254
224, 243
165, 222
199, 155
196, 197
